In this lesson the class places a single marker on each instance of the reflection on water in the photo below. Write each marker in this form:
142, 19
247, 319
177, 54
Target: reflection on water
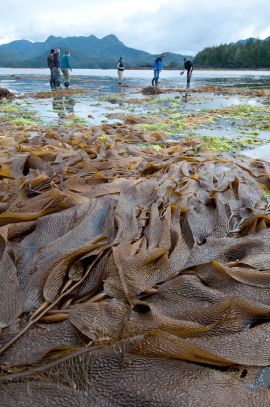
63, 106
185, 97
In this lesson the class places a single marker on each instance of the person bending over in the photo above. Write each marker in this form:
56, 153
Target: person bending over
188, 66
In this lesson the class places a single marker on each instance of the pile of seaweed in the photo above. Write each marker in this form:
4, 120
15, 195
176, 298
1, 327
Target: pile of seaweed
55, 93
131, 275
263, 92
151, 90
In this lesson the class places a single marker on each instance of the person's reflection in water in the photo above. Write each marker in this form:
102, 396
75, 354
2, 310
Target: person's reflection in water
63, 106
122, 91
69, 104
187, 94
58, 105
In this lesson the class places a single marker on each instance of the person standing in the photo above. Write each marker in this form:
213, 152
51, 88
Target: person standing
120, 70
188, 66
50, 65
158, 65
56, 68
65, 67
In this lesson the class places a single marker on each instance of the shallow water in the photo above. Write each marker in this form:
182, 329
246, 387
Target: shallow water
26, 80
98, 106
262, 152
56, 110
104, 82
94, 109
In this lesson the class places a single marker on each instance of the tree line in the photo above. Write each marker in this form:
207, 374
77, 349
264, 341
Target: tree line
251, 53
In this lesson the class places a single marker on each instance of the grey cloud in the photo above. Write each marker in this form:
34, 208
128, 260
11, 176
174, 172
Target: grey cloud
176, 25
197, 24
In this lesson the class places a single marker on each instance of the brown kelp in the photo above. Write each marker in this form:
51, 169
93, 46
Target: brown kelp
131, 273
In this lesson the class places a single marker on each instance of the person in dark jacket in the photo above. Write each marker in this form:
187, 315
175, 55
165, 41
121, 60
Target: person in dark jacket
158, 65
50, 65
65, 67
188, 66
56, 68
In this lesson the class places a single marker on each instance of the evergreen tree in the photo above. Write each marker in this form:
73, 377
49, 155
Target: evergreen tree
251, 53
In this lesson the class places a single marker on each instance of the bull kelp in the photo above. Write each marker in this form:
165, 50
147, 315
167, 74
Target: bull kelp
134, 268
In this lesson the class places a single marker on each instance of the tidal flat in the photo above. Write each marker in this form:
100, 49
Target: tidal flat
224, 119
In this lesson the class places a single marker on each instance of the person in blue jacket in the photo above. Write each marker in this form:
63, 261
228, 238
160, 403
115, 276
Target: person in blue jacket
65, 67
158, 65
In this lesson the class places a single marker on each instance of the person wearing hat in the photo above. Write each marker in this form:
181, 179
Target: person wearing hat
65, 67
56, 68
158, 65
120, 70
50, 65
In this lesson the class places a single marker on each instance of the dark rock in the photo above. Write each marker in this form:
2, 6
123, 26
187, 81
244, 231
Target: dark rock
5, 93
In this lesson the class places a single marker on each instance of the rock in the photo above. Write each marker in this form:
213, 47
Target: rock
5, 93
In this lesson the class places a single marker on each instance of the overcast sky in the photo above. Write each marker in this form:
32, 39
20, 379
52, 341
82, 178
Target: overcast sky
151, 25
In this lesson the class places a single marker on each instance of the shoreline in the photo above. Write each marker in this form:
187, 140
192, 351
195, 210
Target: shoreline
196, 68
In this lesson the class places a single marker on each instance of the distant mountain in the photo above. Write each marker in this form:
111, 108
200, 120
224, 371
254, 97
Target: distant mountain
248, 53
86, 52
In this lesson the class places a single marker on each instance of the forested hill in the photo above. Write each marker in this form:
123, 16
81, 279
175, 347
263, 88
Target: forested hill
86, 52
250, 53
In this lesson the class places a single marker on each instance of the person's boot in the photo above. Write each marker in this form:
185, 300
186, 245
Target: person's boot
153, 82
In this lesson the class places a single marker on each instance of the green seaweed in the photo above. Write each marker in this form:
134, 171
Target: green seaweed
217, 144
156, 147
79, 120
69, 123
9, 108
24, 122
229, 145
103, 138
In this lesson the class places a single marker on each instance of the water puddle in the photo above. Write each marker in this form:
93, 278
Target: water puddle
262, 152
